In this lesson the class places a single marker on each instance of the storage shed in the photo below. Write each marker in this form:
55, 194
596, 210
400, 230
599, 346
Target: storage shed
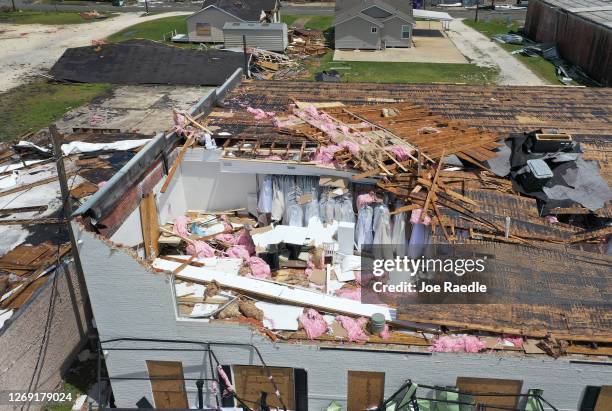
581, 30
267, 36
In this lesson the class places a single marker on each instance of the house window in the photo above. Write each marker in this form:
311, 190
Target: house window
203, 29
406, 32
374, 29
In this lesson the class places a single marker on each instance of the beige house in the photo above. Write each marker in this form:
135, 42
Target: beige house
373, 24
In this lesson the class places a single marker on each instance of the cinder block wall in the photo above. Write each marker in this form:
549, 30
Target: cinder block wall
22, 337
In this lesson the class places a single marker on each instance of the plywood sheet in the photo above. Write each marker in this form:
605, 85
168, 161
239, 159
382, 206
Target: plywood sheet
477, 386
366, 390
250, 381
167, 384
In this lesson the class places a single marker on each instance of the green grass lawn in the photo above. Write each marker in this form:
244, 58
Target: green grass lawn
313, 22
539, 65
357, 71
36, 105
288, 19
45, 17
152, 30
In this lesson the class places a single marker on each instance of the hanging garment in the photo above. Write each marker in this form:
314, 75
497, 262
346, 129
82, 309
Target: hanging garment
278, 199
398, 233
312, 210
363, 230
295, 215
382, 225
346, 210
264, 205
418, 240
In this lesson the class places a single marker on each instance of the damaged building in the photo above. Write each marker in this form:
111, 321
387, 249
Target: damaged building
222, 261
580, 29
45, 320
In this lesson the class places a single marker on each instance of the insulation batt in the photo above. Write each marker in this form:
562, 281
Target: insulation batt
227, 238
365, 199
180, 226
238, 251
259, 114
350, 293
325, 155
415, 217
314, 324
401, 153
354, 328
259, 268
245, 240
200, 249
462, 343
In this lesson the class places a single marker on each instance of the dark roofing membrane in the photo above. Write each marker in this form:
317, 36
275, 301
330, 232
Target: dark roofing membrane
246, 10
146, 62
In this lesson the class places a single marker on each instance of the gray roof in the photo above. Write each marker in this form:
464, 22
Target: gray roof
247, 10
598, 11
349, 9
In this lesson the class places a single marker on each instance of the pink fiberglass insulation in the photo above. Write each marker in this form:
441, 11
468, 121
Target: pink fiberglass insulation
516, 341
415, 217
259, 268
350, 293
274, 158
461, 343
351, 146
245, 240
200, 249
180, 226
259, 114
325, 154
313, 323
354, 328
385, 334
227, 226
365, 199
238, 251
551, 219
227, 238
401, 153
312, 111
225, 378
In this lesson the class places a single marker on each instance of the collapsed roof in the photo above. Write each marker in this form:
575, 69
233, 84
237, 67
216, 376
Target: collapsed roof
467, 205
146, 62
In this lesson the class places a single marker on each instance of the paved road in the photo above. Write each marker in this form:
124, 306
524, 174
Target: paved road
288, 8
484, 52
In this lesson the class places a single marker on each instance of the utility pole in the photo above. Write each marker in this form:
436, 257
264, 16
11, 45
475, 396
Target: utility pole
477, 6
56, 139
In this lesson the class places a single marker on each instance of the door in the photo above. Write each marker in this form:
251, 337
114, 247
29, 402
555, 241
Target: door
168, 384
366, 389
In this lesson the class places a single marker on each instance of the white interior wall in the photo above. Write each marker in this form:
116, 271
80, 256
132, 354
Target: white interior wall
130, 232
207, 188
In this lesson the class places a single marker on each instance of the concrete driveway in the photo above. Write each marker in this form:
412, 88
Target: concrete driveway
426, 49
481, 51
